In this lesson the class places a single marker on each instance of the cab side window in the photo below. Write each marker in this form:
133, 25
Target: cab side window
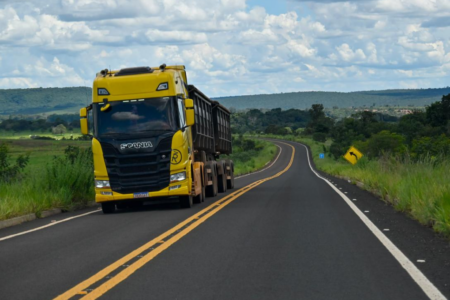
181, 112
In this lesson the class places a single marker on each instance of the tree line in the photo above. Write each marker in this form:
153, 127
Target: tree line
60, 123
419, 134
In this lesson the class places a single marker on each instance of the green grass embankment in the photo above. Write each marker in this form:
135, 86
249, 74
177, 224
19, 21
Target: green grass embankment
50, 180
419, 188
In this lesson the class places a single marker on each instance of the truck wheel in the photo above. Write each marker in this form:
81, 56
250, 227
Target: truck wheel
186, 201
216, 188
222, 180
121, 206
211, 190
230, 182
108, 207
201, 197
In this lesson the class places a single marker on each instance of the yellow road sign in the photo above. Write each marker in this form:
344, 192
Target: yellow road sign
353, 155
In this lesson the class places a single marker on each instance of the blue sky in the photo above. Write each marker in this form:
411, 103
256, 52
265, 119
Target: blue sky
230, 47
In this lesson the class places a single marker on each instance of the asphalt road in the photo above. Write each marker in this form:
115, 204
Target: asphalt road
283, 233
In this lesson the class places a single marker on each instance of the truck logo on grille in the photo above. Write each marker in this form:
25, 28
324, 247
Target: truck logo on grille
137, 145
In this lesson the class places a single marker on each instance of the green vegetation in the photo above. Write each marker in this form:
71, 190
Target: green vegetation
304, 100
275, 121
250, 155
69, 100
41, 152
44, 100
59, 125
59, 181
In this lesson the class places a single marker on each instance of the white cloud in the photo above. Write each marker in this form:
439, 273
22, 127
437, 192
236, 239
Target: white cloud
228, 46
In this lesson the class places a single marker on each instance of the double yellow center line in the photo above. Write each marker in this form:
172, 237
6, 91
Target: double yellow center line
112, 275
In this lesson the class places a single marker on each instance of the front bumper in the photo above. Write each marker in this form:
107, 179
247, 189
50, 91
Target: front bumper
184, 190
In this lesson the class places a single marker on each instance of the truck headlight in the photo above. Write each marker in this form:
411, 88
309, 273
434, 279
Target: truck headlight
102, 184
178, 177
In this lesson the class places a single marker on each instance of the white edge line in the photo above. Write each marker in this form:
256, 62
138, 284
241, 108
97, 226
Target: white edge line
279, 153
424, 283
48, 225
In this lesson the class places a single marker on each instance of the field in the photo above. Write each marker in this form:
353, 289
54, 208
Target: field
41, 151
419, 188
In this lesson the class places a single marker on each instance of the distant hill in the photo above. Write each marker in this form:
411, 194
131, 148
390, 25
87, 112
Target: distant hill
43, 100
304, 100
70, 100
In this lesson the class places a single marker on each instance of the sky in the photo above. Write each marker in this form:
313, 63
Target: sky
230, 47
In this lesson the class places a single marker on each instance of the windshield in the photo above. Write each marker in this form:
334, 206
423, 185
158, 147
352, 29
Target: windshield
131, 117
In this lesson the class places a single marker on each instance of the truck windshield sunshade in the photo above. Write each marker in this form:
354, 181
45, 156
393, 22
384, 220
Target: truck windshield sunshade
134, 71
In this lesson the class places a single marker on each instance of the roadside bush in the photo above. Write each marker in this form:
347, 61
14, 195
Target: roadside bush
71, 176
9, 172
384, 142
337, 150
430, 146
320, 137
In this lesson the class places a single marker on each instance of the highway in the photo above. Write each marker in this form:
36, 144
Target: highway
283, 233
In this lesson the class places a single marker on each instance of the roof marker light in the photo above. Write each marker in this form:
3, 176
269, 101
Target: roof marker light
102, 92
163, 86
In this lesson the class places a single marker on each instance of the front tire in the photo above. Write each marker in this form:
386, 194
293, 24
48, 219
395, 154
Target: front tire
201, 197
108, 207
186, 201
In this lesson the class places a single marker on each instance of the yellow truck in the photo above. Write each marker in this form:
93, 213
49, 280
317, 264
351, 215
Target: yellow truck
155, 136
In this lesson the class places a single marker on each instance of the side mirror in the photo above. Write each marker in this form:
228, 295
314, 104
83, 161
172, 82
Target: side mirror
84, 121
189, 109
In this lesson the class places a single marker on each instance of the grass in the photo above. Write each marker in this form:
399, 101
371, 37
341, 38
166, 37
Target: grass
59, 183
252, 160
41, 151
419, 188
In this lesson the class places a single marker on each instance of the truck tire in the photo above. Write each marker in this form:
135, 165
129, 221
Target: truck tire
211, 190
230, 181
108, 207
222, 180
201, 197
186, 201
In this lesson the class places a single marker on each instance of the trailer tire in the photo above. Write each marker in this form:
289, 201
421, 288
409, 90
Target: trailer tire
211, 190
186, 201
230, 182
201, 197
108, 207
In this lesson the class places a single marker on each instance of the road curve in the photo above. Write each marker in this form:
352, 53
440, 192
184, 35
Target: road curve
283, 233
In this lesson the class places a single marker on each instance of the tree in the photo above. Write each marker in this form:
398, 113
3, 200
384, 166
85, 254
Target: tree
438, 113
59, 129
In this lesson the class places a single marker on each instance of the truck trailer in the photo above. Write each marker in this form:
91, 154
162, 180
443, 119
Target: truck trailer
155, 136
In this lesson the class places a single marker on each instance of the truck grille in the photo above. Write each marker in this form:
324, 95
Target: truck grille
138, 172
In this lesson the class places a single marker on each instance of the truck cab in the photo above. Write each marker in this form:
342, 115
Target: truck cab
142, 138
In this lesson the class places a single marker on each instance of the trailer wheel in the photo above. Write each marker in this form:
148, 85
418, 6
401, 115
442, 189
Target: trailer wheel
186, 201
230, 181
201, 197
108, 207
211, 190
222, 179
